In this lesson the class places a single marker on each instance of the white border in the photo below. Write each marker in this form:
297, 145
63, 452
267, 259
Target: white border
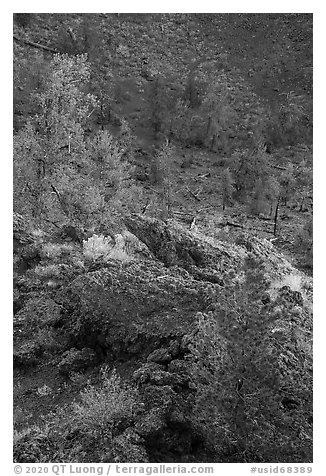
167, 6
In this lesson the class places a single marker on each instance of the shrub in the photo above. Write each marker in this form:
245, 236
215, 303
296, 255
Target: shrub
84, 431
47, 271
39, 313
54, 250
101, 410
32, 445
99, 246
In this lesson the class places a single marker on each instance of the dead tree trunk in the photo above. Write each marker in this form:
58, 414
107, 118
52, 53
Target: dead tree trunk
35, 45
276, 214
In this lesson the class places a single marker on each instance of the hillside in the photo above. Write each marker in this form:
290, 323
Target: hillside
163, 237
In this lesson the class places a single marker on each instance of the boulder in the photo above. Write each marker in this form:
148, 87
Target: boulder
129, 446
155, 374
75, 360
292, 297
39, 312
27, 354
133, 309
72, 233
173, 245
160, 356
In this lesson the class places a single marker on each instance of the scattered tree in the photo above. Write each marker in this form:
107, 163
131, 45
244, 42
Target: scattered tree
61, 171
218, 115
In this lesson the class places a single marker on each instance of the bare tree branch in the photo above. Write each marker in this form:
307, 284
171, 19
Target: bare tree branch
35, 45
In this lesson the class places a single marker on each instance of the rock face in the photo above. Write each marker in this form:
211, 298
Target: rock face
292, 297
205, 259
166, 426
72, 233
138, 308
175, 246
75, 360
133, 309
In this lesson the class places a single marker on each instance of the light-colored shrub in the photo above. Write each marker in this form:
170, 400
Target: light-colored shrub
47, 271
101, 409
50, 250
99, 246
54, 250
293, 281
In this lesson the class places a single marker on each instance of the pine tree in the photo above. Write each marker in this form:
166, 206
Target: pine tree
239, 370
218, 115
64, 174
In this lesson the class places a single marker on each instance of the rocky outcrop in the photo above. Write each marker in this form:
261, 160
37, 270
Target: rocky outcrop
167, 426
175, 246
207, 259
133, 309
291, 297
139, 307
72, 233
74, 360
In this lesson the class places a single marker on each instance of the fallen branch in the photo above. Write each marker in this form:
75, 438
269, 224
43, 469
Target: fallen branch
182, 214
34, 45
229, 223
210, 207
146, 206
91, 113
193, 194
52, 223
61, 201
278, 167
204, 175
192, 224
57, 193
72, 35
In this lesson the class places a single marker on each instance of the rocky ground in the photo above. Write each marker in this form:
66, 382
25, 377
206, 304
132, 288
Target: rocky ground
140, 317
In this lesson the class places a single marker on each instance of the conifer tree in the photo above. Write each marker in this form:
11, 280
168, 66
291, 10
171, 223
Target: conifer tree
64, 174
218, 115
240, 375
